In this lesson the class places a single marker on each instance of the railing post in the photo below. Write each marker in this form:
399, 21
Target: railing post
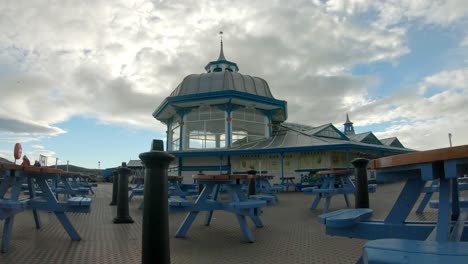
115, 187
123, 215
252, 182
362, 189
155, 238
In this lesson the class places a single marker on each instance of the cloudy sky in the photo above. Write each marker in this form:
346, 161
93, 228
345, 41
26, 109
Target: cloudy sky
80, 79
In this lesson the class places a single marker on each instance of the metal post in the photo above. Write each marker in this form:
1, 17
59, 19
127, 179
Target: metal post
362, 190
252, 182
115, 187
123, 215
200, 186
155, 238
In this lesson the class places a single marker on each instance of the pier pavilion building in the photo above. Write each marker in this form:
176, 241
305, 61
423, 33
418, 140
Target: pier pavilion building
223, 121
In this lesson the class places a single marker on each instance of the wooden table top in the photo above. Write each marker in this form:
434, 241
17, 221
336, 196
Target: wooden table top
175, 178
339, 172
428, 156
265, 176
9, 166
223, 177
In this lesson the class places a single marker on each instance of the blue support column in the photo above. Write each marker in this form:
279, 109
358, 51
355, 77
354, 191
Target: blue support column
168, 134
282, 164
270, 125
228, 125
229, 165
180, 167
347, 158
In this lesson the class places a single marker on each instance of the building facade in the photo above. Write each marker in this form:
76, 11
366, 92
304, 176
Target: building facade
223, 121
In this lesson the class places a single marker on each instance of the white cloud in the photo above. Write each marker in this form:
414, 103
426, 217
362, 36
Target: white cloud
423, 120
394, 13
117, 62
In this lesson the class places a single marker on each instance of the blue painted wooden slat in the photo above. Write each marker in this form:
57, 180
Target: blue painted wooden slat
412, 251
248, 204
345, 217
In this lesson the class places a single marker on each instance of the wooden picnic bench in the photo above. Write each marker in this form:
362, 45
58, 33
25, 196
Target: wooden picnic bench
397, 240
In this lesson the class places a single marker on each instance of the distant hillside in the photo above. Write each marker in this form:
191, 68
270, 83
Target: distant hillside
4, 160
78, 169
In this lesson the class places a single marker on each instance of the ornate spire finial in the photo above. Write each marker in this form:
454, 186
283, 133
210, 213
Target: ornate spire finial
221, 52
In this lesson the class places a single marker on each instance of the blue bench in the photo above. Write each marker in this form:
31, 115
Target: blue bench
270, 199
179, 202
11, 204
463, 203
383, 251
37, 193
79, 205
345, 217
136, 191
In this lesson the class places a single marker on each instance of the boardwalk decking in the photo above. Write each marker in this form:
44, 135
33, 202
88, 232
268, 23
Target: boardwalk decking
291, 234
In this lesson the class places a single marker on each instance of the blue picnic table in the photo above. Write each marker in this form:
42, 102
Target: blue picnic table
236, 203
331, 183
11, 186
395, 239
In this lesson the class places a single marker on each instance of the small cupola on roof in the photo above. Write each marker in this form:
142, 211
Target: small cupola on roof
221, 64
348, 127
220, 108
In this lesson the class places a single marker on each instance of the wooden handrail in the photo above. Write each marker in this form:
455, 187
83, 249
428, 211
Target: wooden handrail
428, 156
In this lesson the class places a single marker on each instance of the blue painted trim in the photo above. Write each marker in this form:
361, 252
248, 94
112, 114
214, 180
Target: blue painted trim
168, 135
207, 67
221, 94
228, 128
226, 152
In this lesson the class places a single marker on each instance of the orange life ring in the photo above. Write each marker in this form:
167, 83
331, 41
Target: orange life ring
18, 151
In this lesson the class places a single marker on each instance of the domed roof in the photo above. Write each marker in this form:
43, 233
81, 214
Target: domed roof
222, 81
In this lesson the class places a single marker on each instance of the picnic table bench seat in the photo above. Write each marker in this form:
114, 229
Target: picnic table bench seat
270, 199
136, 191
37, 193
463, 203
12, 204
179, 202
345, 217
387, 251
79, 205
248, 207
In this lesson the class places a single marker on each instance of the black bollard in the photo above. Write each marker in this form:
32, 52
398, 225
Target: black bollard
155, 238
362, 190
200, 186
252, 182
123, 215
115, 187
